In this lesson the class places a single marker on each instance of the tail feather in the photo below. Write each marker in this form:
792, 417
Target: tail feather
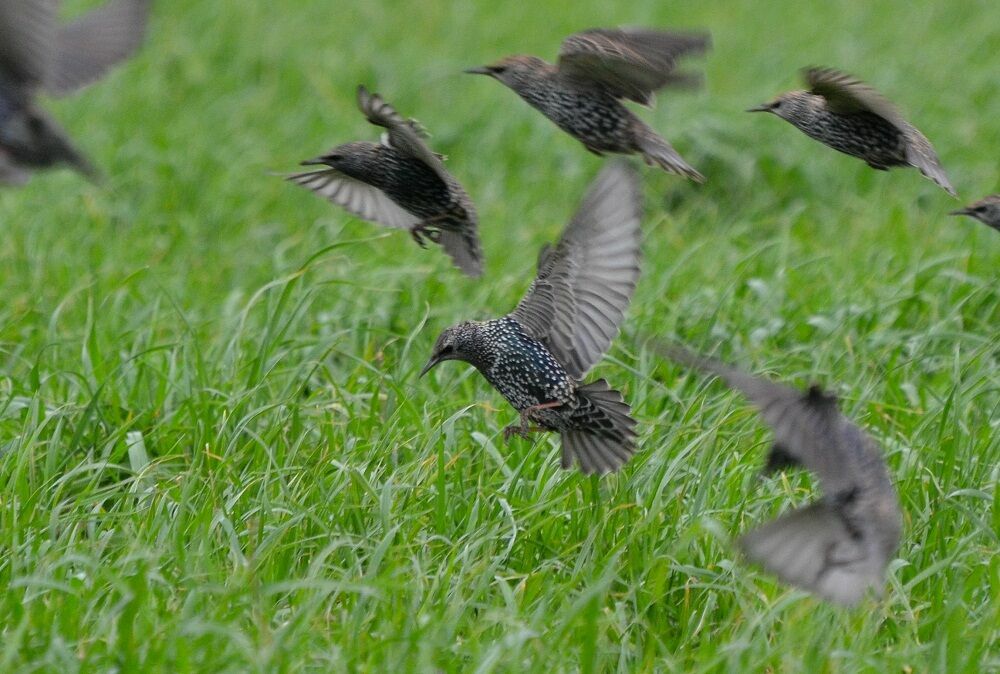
464, 249
605, 437
658, 152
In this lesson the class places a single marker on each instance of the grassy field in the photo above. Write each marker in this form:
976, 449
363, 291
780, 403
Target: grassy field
216, 456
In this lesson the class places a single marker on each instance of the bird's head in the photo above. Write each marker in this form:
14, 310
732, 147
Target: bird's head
986, 211
349, 158
790, 106
514, 71
455, 343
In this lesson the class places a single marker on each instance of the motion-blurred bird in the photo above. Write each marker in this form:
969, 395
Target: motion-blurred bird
536, 355
837, 547
986, 210
38, 55
597, 69
850, 116
399, 183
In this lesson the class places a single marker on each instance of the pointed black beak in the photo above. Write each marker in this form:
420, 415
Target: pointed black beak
429, 366
764, 107
961, 211
312, 162
481, 70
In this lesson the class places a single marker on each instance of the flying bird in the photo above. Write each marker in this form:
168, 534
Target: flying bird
399, 183
986, 210
851, 117
537, 355
837, 547
38, 55
597, 70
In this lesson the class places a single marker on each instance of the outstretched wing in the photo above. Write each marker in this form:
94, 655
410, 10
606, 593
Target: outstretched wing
847, 95
88, 47
631, 62
585, 283
27, 39
815, 549
405, 135
356, 197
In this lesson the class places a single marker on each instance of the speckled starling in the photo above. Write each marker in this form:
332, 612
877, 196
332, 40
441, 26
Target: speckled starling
839, 546
399, 183
597, 69
38, 55
851, 117
536, 355
986, 210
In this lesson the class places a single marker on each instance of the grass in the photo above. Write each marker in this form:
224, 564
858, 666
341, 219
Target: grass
215, 454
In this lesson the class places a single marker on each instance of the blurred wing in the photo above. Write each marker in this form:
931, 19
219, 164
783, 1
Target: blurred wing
585, 283
813, 548
356, 197
808, 428
847, 95
922, 156
91, 45
27, 39
632, 62
405, 135
463, 248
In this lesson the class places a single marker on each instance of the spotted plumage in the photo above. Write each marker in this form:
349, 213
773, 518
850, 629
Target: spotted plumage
851, 117
38, 55
598, 69
986, 211
537, 355
399, 183
839, 546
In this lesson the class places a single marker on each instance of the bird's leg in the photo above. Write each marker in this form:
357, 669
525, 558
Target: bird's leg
524, 428
427, 229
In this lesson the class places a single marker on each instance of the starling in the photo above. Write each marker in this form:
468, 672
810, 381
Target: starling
597, 69
37, 55
536, 355
851, 117
986, 210
839, 546
399, 183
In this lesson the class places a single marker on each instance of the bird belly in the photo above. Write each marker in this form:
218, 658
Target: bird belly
864, 136
595, 119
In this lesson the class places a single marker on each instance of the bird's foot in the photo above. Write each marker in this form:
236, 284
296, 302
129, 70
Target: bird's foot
524, 428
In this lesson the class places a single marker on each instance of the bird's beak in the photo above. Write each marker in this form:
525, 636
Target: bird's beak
961, 211
430, 366
764, 107
481, 70
312, 162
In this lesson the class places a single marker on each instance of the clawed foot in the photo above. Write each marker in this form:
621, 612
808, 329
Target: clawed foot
524, 429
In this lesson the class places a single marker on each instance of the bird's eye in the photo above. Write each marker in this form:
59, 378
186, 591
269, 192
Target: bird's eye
334, 157
447, 348
776, 105
498, 70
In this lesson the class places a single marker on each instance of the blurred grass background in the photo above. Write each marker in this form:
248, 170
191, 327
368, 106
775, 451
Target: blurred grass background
214, 451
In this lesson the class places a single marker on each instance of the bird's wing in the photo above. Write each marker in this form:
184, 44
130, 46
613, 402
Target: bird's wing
585, 283
405, 135
356, 197
631, 62
815, 548
88, 47
848, 95
27, 39
809, 429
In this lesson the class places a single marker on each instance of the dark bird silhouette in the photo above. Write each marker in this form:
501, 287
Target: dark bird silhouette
837, 547
399, 183
851, 117
986, 211
597, 70
38, 55
536, 355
